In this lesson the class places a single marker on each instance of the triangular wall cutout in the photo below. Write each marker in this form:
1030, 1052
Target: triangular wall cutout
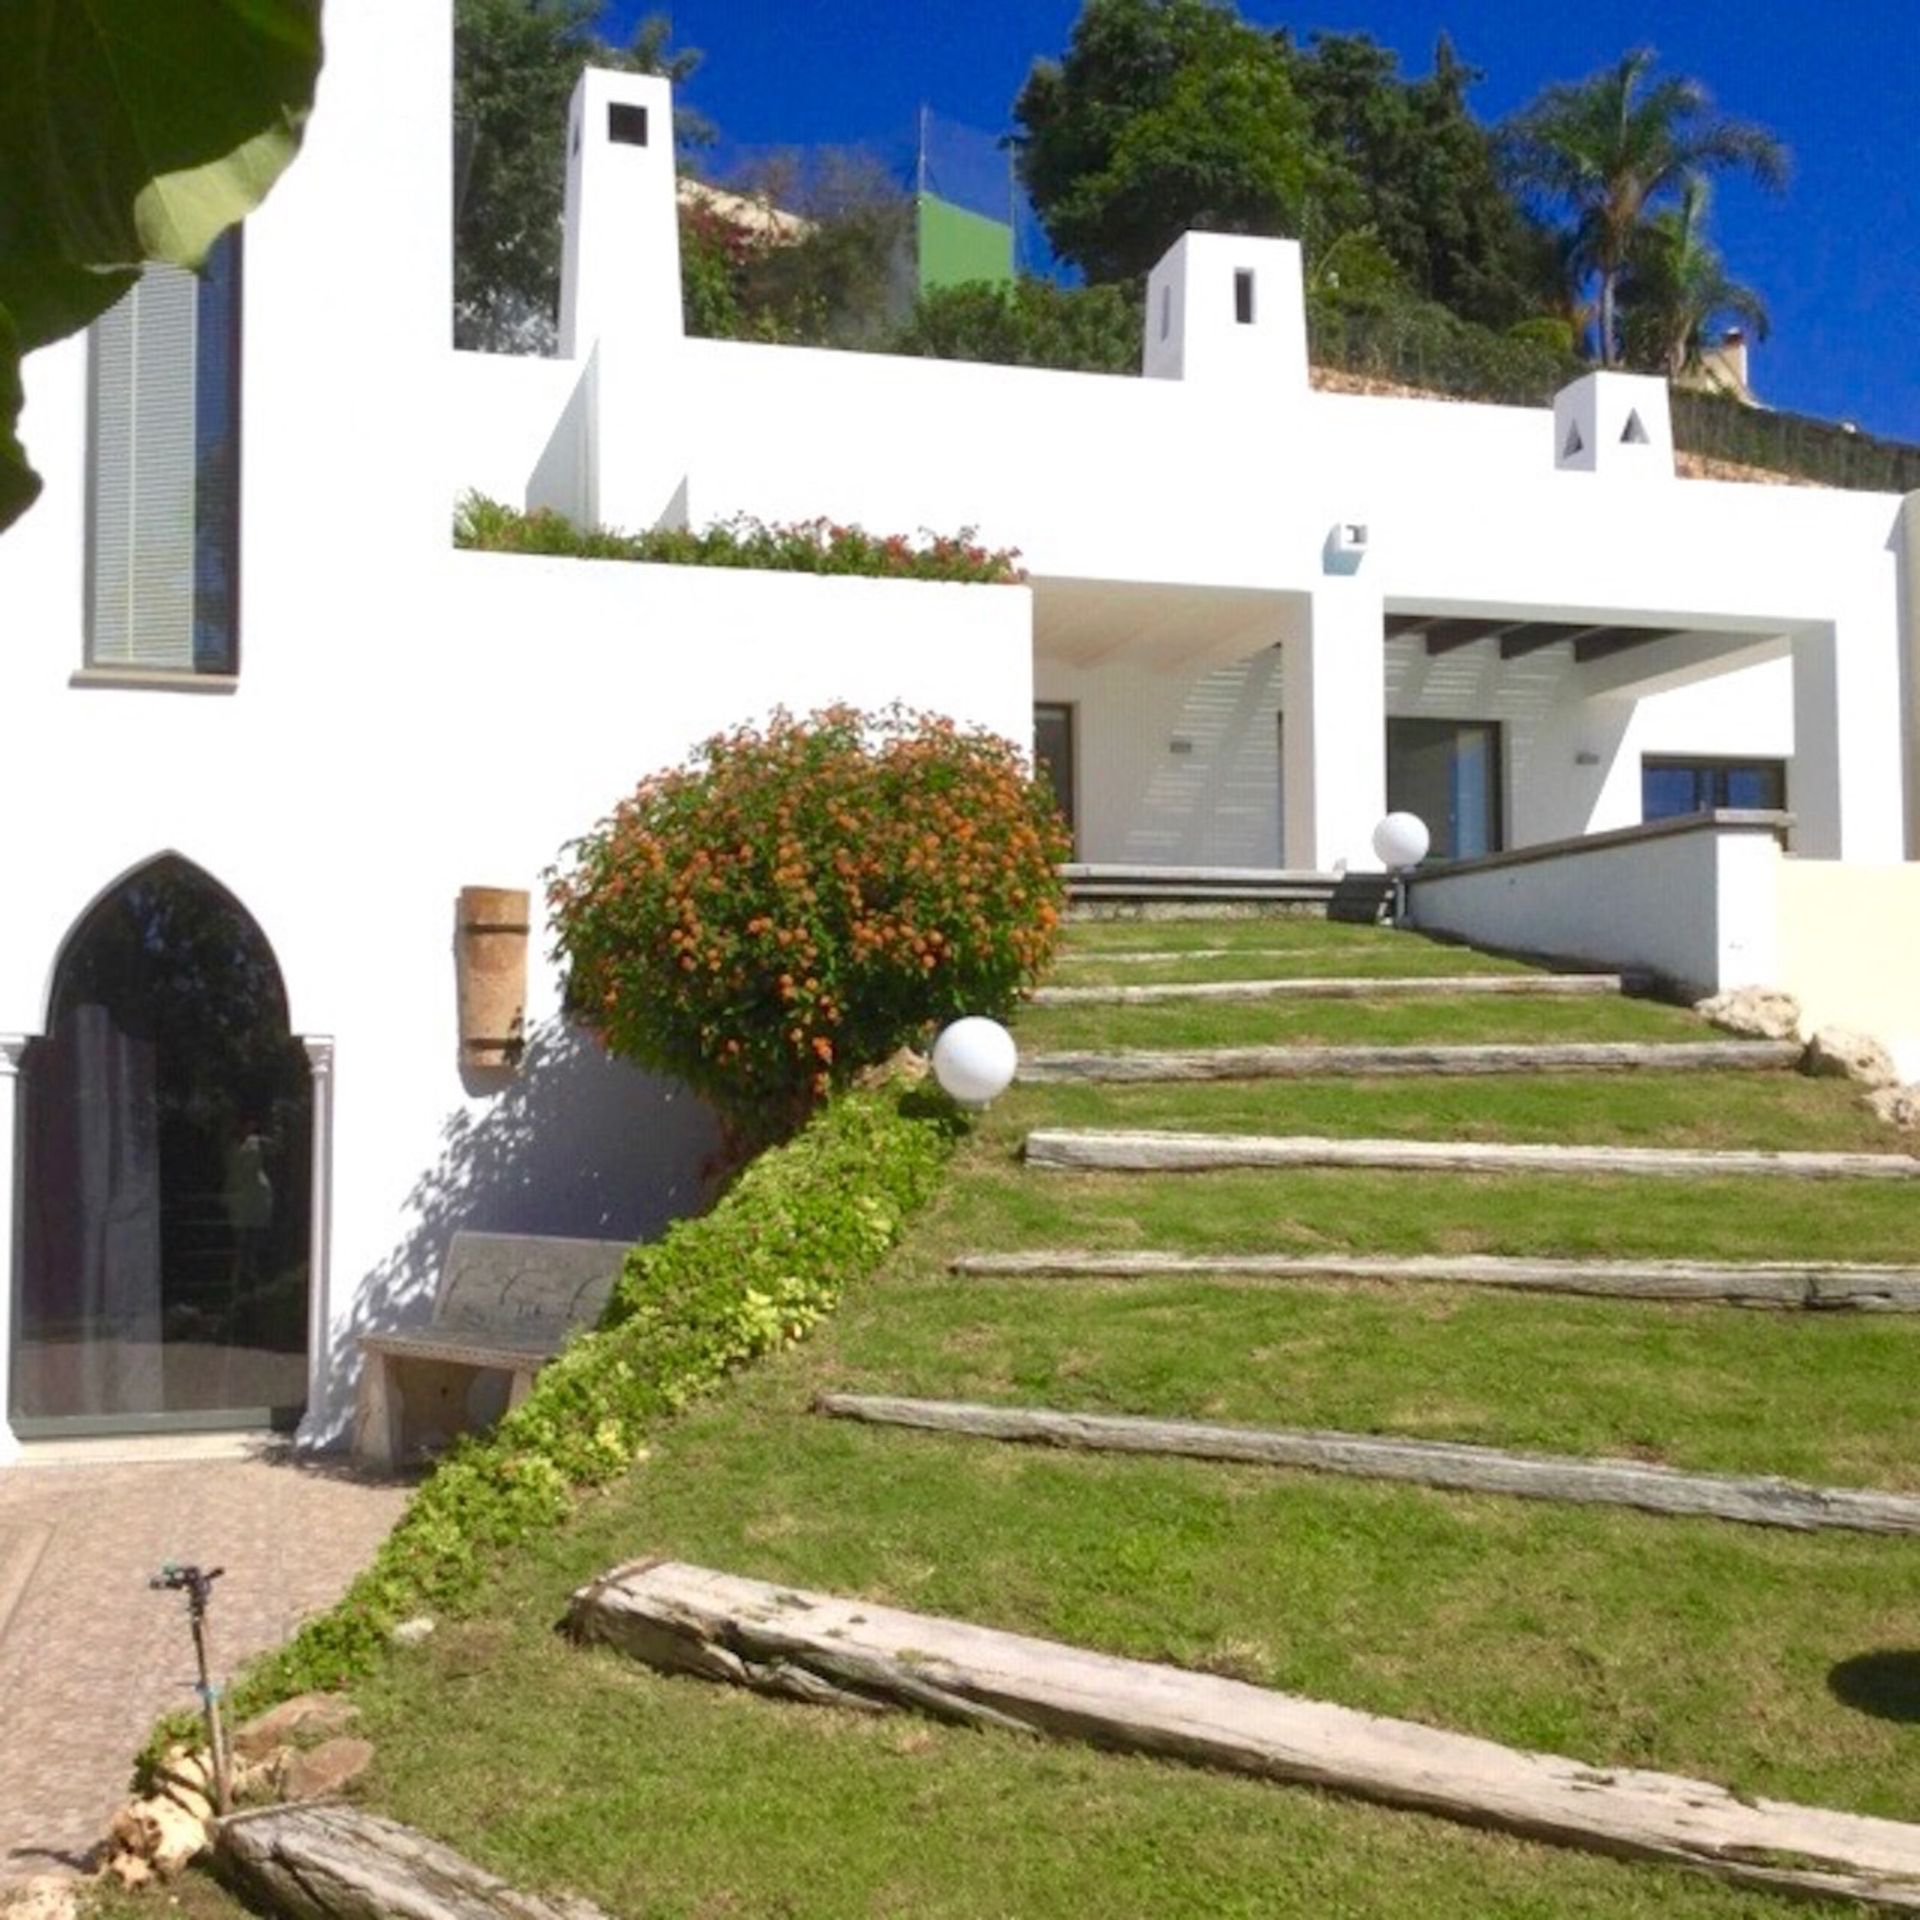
1574, 443
1633, 434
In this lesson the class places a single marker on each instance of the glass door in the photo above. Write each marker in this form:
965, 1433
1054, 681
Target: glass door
165, 1224
1053, 756
1448, 772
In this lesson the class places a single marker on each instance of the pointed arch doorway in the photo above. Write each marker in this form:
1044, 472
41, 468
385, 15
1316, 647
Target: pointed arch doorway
165, 1202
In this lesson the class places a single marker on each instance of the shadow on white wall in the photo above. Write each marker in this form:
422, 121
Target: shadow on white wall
575, 1143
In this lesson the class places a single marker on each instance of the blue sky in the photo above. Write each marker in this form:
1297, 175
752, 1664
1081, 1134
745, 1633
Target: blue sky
1837, 256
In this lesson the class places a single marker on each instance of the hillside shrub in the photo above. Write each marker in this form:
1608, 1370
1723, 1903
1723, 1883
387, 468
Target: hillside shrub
1420, 344
1032, 323
771, 1260
800, 900
802, 546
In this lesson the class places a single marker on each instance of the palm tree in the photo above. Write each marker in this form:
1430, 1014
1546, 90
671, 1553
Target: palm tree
1676, 287
1609, 148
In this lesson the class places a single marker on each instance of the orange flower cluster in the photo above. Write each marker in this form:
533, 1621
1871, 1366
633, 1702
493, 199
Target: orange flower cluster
803, 898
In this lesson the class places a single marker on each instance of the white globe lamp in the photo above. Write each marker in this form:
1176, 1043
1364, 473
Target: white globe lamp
1401, 840
1400, 843
974, 1060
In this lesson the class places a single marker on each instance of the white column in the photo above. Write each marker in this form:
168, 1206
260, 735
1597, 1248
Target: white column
1846, 784
1334, 738
314, 1424
13, 1047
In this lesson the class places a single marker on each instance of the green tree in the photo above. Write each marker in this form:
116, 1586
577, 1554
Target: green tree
1419, 170
130, 130
1609, 150
515, 66
1163, 115
1676, 289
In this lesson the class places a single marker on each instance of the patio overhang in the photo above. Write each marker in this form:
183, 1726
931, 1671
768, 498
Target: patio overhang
1614, 656
1088, 623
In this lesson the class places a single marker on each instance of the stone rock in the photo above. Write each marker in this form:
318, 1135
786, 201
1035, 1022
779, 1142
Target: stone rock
314, 1772
189, 1767
188, 1800
307, 1716
410, 1633
1897, 1106
257, 1782
903, 1065
158, 1831
1838, 1053
47, 1896
131, 1870
1755, 1013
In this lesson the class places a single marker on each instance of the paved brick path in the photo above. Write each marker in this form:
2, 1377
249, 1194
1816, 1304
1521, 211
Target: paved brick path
89, 1657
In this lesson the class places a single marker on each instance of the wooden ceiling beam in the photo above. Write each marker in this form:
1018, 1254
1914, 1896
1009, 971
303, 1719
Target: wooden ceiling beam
1604, 642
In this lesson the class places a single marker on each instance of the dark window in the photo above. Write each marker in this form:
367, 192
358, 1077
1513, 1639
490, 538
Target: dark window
165, 1222
1449, 773
626, 124
1053, 753
1243, 296
1670, 788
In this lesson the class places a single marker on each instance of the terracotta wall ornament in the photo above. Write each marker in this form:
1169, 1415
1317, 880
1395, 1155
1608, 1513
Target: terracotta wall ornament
491, 950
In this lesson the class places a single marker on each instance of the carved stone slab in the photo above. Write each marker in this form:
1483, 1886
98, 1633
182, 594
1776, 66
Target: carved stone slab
532, 1287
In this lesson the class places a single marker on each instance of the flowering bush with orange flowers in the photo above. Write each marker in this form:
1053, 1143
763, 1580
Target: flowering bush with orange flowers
802, 899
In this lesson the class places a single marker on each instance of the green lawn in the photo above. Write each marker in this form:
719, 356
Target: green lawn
1387, 1021
1615, 1637
1691, 1109
1297, 933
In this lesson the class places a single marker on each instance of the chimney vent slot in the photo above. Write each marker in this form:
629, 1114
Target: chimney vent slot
626, 124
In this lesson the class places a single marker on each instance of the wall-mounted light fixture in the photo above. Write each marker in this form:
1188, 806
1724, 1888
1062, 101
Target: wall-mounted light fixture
1346, 546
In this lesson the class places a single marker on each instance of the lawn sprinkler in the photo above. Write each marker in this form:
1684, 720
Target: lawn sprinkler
197, 1584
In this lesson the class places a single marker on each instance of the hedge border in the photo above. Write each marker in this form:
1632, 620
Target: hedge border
758, 1272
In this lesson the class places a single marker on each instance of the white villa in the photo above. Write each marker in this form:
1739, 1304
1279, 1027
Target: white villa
264, 722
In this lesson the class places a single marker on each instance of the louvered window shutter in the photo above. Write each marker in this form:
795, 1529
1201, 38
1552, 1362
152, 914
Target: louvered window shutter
163, 492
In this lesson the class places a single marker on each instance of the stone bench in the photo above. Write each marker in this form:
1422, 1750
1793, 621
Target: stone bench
507, 1303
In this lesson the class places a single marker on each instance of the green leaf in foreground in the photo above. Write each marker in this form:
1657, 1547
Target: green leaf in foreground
130, 130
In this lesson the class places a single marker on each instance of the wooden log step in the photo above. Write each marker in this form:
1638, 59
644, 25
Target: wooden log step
327, 1861
1760, 1501
1091, 1150
1341, 987
1303, 1063
818, 1647
1784, 1283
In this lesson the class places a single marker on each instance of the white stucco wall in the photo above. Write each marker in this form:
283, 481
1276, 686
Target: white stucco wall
1696, 904
409, 719
1850, 951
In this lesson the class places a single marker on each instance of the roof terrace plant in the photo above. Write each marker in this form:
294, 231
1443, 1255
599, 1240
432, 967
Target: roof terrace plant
800, 546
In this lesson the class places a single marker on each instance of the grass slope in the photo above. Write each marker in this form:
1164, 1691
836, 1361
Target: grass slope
1743, 1655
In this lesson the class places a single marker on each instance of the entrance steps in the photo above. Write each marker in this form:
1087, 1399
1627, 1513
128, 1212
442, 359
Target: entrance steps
1092, 1150
1098, 890
1303, 1063
1816, 1284
1758, 1500
1336, 987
